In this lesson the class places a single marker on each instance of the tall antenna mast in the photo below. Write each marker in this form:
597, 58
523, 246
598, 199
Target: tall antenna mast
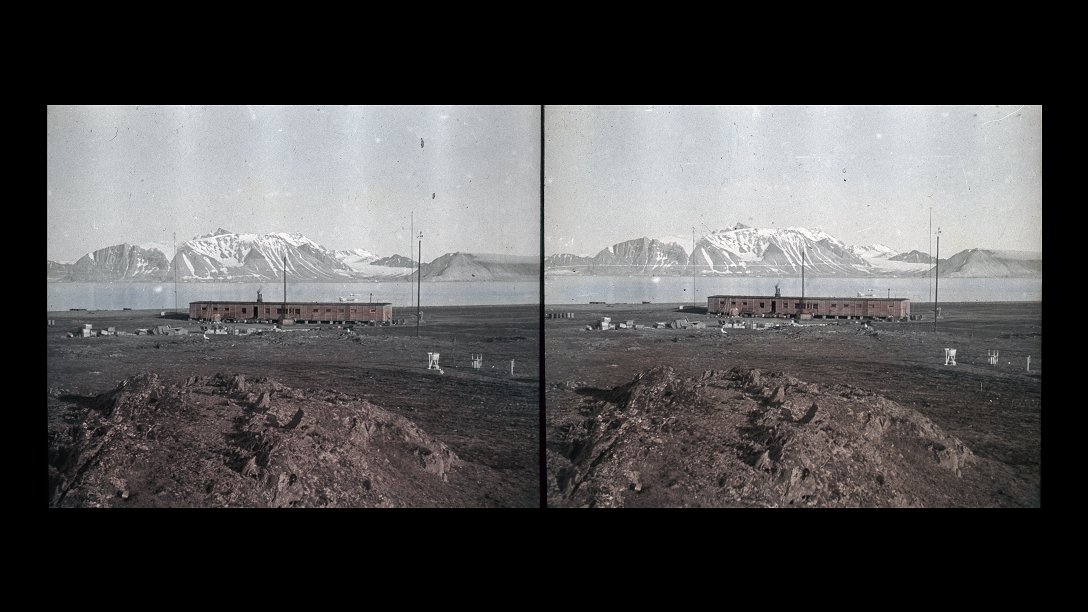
419, 278
410, 237
694, 302
283, 315
936, 280
175, 245
930, 285
802, 279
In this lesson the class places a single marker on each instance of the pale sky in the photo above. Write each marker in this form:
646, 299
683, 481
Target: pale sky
863, 174
345, 177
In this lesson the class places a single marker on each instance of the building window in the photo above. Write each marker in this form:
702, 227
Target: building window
834, 305
373, 310
215, 308
317, 309
745, 304
203, 307
761, 304
734, 303
266, 310
243, 309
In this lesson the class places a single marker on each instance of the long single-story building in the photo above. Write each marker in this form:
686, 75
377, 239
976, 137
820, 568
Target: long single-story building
300, 312
816, 307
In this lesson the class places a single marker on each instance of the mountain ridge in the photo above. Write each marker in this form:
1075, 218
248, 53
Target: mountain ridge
748, 251
226, 256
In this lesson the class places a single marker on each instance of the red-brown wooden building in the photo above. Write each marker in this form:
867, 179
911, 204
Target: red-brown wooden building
301, 312
817, 307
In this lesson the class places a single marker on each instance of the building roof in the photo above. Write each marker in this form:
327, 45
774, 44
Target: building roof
271, 303
809, 297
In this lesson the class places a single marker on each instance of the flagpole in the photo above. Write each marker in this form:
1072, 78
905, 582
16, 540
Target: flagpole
419, 279
411, 236
175, 245
930, 254
937, 280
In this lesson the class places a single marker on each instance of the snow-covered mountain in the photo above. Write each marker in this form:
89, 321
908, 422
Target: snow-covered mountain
481, 267
740, 250
356, 259
743, 250
766, 252
873, 251
914, 256
117, 262
641, 256
566, 262
394, 261
224, 255
990, 263
56, 271
638, 256
227, 256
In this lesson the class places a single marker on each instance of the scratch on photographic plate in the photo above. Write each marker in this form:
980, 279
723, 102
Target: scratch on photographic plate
1006, 116
986, 138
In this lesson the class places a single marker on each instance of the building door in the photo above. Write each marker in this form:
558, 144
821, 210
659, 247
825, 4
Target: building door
774, 306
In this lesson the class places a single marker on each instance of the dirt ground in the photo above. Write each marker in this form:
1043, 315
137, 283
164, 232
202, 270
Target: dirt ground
487, 418
994, 410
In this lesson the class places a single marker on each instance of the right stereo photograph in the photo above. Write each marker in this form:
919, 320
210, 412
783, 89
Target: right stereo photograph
793, 306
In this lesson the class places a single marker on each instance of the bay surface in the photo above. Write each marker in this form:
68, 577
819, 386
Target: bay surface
160, 296
675, 289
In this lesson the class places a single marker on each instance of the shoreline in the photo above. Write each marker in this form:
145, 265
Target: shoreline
169, 311
690, 306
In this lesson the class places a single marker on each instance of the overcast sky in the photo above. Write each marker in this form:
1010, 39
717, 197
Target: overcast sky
345, 177
864, 174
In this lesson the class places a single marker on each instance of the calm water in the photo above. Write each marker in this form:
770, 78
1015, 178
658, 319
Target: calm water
139, 296
665, 289
557, 290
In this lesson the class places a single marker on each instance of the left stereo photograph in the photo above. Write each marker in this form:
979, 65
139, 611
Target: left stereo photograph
293, 306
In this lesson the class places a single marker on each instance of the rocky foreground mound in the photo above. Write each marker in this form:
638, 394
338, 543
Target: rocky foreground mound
227, 441
743, 438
